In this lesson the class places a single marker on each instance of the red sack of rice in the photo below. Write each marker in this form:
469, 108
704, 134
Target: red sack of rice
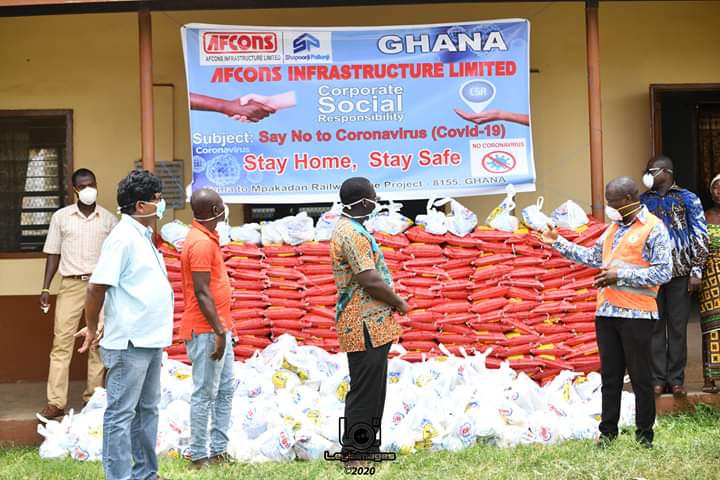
423, 250
283, 293
418, 345
234, 249
422, 335
258, 332
235, 263
392, 241
456, 294
288, 262
254, 323
246, 313
321, 249
260, 342
485, 306
452, 307
322, 301
419, 235
283, 313
320, 332
468, 242
429, 326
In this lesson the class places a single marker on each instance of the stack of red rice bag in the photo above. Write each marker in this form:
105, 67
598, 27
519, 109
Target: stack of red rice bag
246, 266
172, 263
489, 289
285, 291
320, 296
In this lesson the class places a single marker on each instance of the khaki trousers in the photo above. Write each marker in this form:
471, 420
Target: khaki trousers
68, 311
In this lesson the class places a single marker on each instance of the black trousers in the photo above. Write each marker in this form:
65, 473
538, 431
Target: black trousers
624, 343
669, 342
365, 402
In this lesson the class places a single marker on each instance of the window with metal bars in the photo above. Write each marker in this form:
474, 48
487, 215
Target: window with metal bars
35, 166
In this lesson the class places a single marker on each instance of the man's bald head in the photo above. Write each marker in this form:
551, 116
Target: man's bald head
202, 202
661, 161
622, 187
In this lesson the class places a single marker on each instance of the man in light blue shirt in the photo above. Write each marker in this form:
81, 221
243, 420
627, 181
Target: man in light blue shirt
131, 281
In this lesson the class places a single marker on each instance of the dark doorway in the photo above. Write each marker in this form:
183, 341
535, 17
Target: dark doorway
686, 128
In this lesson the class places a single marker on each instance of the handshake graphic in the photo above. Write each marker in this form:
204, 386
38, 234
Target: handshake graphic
248, 108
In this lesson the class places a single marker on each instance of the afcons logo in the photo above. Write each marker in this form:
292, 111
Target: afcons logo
305, 43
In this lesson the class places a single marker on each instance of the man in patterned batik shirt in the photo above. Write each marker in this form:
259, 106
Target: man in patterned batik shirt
634, 257
366, 301
682, 213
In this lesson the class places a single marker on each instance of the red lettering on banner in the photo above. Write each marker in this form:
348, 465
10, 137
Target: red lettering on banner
386, 159
446, 158
239, 42
305, 161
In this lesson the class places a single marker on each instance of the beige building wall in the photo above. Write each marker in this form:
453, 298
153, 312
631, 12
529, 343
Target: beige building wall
89, 63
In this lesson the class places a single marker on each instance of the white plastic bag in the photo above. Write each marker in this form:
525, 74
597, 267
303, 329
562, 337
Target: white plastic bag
223, 231
501, 217
300, 229
250, 233
390, 221
175, 233
273, 233
326, 223
570, 215
277, 444
461, 220
434, 221
534, 218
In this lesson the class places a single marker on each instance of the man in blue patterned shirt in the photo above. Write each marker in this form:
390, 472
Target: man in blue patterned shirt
634, 257
683, 215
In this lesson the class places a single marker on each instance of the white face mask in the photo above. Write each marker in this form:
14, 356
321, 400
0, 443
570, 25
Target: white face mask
159, 210
649, 178
87, 195
370, 215
613, 214
225, 214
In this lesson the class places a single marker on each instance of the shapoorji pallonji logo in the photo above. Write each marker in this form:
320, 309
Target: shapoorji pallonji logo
307, 47
305, 42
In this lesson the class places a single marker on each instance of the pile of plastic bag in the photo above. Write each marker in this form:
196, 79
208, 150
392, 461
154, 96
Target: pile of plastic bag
289, 398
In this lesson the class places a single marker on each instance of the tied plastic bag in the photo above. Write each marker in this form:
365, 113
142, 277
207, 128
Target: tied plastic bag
390, 221
300, 229
250, 233
58, 440
569, 215
534, 218
277, 444
175, 233
461, 220
501, 217
434, 221
326, 223
273, 233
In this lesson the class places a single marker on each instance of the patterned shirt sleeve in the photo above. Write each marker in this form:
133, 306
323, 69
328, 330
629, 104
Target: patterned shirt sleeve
699, 239
658, 252
358, 253
591, 257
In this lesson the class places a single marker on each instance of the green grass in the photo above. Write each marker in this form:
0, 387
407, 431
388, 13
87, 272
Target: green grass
687, 446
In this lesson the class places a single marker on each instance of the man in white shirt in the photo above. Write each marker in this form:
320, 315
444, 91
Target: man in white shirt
73, 244
131, 282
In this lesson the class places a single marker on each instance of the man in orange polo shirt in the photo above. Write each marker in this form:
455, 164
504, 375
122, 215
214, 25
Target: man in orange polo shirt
206, 329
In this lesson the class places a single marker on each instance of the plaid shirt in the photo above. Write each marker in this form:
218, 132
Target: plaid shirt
354, 250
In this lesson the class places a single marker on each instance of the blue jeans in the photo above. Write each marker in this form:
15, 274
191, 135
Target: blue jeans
213, 388
131, 419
